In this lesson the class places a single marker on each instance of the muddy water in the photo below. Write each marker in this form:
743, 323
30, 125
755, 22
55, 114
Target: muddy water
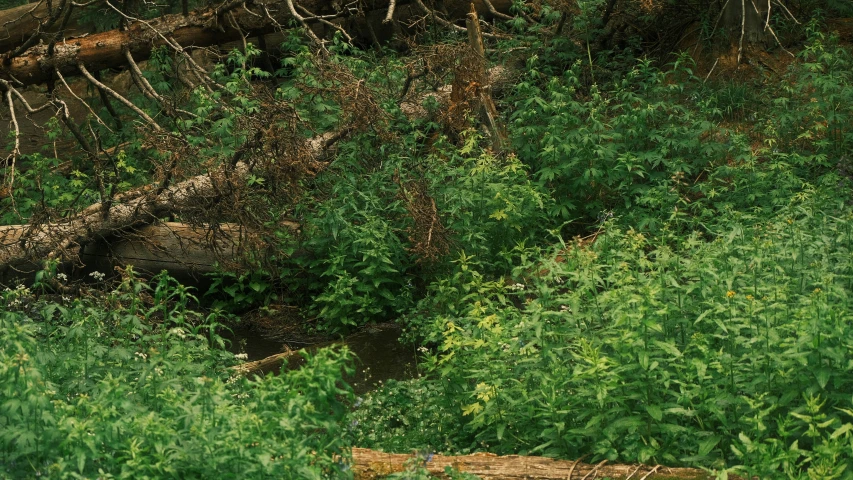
379, 355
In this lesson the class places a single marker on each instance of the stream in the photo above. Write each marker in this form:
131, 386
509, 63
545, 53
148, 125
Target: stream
379, 355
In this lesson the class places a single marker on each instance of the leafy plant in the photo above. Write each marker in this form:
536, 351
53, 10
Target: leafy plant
123, 387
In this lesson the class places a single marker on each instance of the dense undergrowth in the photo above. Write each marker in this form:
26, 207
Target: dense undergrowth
117, 387
706, 321
704, 318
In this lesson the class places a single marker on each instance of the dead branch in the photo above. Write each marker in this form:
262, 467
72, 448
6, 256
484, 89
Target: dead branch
495, 11
265, 364
392, 4
305, 27
118, 97
82, 102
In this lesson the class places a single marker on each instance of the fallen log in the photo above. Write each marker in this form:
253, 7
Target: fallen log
52, 240
371, 464
186, 251
18, 24
200, 28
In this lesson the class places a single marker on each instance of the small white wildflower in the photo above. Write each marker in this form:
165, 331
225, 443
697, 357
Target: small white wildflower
422, 349
62, 277
241, 356
98, 276
179, 332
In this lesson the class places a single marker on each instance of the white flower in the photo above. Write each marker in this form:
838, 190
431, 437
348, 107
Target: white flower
179, 332
241, 356
62, 277
98, 276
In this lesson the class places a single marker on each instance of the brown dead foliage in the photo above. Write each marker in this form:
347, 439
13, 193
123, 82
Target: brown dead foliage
429, 238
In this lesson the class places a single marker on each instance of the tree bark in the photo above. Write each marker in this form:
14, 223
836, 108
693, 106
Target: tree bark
745, 19
370, 464
21, 243
200, 28
19, 23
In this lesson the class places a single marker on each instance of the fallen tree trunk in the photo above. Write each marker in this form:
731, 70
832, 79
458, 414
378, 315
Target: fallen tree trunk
186, 251
52, 240
370, 464
18, 24
201, 28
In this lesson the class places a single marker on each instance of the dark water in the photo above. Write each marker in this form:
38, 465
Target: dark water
379, 355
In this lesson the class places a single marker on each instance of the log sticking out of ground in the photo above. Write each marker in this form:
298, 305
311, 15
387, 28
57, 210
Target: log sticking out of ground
370, 464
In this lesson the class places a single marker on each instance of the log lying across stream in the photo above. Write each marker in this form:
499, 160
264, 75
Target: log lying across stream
370, 464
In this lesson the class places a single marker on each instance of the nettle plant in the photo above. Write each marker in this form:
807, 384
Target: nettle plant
722, 351
631, 145
381, 225
132, 384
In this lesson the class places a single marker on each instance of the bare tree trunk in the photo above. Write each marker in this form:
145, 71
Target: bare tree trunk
745, 20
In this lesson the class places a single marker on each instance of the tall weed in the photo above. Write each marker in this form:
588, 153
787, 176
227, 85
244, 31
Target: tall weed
120, 388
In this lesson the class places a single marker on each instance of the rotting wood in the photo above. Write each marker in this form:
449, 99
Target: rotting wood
201, 28
370, 464
488, 111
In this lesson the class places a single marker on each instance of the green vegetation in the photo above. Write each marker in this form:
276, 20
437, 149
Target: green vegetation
706, 322
120, 387
657, 268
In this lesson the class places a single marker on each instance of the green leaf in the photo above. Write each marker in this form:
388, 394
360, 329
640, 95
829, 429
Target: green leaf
708, 444
655, 412
847, 427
